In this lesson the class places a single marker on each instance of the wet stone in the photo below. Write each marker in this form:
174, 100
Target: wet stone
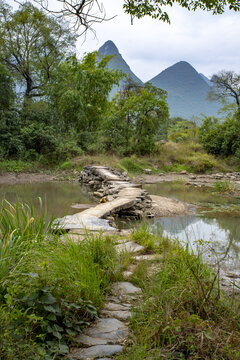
130, 246
116, 307
96, 352
125, 288
119, 314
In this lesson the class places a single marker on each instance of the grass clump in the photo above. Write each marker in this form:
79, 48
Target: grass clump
183, 313
223, 186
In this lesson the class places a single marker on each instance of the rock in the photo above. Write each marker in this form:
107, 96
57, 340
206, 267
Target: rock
104, 326
98, 194
130, 246
148, 171
90, 341
96, 352
125, 288
118, 314
116, 307
184, 172
149, 257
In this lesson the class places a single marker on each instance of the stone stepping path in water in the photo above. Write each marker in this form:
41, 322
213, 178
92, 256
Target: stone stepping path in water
106, 336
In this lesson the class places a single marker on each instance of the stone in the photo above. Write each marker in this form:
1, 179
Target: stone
148, 171
150, 257
104, 325
118, 314
96, 352
114, 307
90, 341
130, 246
125, 288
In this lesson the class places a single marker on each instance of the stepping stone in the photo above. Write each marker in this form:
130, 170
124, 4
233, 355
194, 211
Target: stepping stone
104, 326
150, 257
104, 331
127, 274
116, 307
90, 341
122, 241
96, 352
125, 288
119, 314
130, 246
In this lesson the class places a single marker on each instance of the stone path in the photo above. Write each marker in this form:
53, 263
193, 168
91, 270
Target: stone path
107, 335
120, 198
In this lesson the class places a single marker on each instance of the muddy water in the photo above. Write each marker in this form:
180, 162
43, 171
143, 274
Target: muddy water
215, 223
60, 196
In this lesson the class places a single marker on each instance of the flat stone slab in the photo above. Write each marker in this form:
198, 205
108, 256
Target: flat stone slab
118, 314
104, 326
130, 246
125, 288
116, 307
90, 341
96, 352
150, 257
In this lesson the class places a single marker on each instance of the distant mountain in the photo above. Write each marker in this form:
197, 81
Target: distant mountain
118, 63
187, 91
206, 79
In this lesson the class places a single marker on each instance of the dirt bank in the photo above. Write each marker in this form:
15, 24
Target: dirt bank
198, 180
25, 178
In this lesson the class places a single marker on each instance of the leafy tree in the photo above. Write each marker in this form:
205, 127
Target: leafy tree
32, 45
7, 93
182, 131
135, 118
87, 12
79, 92
221, 138
226, 86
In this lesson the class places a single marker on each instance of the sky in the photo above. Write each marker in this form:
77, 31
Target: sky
210, 43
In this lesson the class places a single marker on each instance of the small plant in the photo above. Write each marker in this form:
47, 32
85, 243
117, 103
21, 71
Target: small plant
223, 186
143, 237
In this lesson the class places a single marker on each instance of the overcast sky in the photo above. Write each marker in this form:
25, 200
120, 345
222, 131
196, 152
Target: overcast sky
209, 43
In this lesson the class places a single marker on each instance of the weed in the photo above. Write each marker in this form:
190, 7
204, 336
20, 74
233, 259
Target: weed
223, 186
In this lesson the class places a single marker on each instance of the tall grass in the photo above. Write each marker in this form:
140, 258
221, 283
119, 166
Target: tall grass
21, 225
183, 313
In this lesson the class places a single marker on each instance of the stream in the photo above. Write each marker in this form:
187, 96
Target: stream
213, 223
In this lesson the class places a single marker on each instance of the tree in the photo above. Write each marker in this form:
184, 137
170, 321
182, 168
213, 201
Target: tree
32, 45
135, 118
226, 86
7, 93
87, 12
79, 92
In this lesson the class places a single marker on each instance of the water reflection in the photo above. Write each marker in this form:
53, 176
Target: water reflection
59, 195
220, 233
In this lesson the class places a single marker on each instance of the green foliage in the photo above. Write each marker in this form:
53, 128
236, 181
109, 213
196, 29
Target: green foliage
32, 44
79, 93
135, 118
155, 8
49, 287
183, 313
221, 138
222, 186
181, 131
6, 89
21, 225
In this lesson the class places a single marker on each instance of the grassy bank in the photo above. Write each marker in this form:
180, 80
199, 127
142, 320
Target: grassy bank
183, 313
52, 287
168, 157
49, 288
